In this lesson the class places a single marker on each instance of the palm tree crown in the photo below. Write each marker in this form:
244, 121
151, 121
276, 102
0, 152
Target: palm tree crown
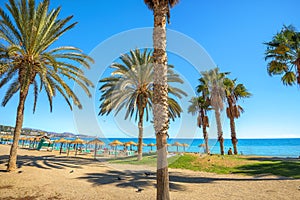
233, 93
284, 55
213, 83
28, 34
131, 86
171, 3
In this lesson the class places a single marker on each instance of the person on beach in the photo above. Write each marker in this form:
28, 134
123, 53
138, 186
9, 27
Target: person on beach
230, 151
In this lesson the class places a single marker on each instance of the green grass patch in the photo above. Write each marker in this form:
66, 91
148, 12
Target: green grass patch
239, 165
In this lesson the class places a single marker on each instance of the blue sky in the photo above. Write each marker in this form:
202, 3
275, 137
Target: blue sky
232, 32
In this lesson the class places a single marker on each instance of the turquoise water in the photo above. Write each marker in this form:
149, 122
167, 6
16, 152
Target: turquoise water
263, 147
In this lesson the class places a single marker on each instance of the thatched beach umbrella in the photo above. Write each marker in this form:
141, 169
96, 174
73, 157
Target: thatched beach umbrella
7, 137
23, 139
126, 145
184, 145
131, 143
77, 141
177, 144
62, 141
96, 142
151, 145
31, 142
115, 144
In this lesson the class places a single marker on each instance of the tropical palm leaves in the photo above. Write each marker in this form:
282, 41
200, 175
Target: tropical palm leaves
130, 86
283, 52
27, 55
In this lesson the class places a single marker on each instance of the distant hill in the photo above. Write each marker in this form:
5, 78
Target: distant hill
34, 132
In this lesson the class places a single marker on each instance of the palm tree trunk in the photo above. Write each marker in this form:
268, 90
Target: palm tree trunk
140, 142
233, 135
95, 152
160, 97
60, 149
220, 132
231, 115
12, 162
205, 136
162, 176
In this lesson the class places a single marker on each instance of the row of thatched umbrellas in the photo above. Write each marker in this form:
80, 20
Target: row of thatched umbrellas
118, 143
96, 142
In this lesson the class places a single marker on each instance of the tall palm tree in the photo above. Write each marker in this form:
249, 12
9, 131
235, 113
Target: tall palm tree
214, 81
130, 86
234, 92
201, 105
28, 31
161, 12
283, 51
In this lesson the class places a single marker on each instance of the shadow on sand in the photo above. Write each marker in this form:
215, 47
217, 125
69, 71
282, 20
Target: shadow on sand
139, 178
51, 161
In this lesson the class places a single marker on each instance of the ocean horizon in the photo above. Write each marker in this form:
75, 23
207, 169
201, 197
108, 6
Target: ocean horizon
277, 147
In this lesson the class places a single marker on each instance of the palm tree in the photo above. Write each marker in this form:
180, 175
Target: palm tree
213, 80
233, 93
201, 105
161, 12
28, 31
283, 51
130, 86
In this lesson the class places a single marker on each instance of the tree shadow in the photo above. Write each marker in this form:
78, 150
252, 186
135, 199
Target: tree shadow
51, 161
272, 166
139, 179
183, 178
127, 179
261, 158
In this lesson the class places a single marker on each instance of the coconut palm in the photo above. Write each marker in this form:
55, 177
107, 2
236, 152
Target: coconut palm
214, 81
200, 105
28, 31
161, 12
130, 86
234, 92
283, 52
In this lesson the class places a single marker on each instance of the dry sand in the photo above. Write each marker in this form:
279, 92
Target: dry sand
47, 175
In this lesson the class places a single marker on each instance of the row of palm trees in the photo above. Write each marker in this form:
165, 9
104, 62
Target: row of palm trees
130, 87
28, 31
215, 90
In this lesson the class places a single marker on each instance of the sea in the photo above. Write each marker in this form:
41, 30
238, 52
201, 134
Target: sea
281, 147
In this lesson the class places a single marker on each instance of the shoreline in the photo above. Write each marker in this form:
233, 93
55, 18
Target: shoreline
47, 175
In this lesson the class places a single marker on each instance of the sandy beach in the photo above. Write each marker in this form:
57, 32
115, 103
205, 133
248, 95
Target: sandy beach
47, 175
